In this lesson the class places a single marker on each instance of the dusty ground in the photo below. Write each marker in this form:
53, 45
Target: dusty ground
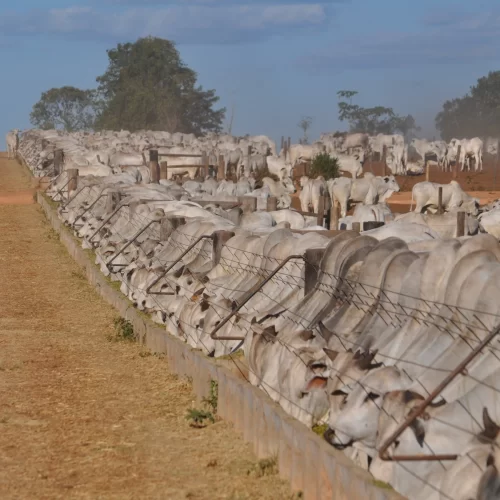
85, 417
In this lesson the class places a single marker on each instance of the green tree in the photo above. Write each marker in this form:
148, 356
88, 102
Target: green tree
477, 113
66, 108
148, 86
375, 120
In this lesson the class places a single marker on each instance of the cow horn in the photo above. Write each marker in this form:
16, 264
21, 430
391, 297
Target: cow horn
491, 429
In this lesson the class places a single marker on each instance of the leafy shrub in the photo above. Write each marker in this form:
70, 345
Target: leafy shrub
325, 165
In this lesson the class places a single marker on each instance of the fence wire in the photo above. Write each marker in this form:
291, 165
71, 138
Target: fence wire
392, 308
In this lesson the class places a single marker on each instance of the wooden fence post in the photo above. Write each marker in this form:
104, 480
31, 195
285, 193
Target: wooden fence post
496, 165
460, 224
154, 168
321, 211
58, 161
272, 204
335, 215
289, 143
205, 164
457, 162
112, 200
220, 238
282, 143
163, 170
356, 226
221, 169
313, 258
248, 203
72, 179
384, 160
440, 201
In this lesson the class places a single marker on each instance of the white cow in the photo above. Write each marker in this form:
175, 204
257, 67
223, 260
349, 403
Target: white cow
426, 195
468, 148
12, 140
350, 164
312, 189
368, 190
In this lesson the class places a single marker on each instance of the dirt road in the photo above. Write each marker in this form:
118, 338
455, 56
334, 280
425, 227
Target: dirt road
85, 417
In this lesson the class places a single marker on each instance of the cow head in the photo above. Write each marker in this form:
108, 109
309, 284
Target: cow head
359, 413
390, 183
287, 183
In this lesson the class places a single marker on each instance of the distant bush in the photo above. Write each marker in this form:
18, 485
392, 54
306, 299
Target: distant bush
325, 165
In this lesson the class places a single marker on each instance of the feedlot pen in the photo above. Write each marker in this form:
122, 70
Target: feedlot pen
86, 416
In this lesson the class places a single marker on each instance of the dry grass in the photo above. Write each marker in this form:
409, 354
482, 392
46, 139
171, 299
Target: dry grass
85, 418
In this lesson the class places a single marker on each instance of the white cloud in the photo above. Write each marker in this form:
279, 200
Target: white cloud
184, 24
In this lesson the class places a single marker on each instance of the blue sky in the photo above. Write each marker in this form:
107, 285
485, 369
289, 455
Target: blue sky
273, 60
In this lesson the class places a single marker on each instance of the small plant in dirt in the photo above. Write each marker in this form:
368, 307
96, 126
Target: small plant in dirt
52, 234
325, 165
199, 418
320, 429
124, 330
264, 467
213, 397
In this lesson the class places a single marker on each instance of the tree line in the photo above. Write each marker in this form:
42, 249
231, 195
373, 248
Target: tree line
148, 86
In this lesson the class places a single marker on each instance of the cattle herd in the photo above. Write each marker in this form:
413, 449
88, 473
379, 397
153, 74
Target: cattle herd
391, 313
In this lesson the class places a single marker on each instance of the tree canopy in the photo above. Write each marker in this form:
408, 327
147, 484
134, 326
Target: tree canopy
65, 108
148, 86
477, 113
375, 120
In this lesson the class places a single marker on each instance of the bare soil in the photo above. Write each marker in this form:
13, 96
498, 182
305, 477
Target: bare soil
84, 417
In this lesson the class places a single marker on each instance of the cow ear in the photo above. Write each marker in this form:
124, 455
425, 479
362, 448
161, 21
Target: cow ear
490, 460
179, 272
331, 354
204, 305
386, 179
491, 429
418, 429
409, 396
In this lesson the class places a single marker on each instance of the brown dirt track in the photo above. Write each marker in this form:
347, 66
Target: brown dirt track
82, 417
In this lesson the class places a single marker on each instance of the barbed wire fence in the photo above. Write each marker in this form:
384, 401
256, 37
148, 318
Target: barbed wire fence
392, 309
